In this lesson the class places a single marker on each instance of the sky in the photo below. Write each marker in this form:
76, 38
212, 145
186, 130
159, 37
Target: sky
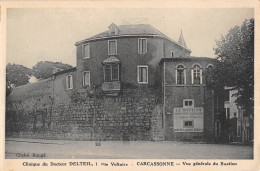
49, 34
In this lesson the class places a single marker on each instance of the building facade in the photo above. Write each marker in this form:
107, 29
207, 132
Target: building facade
188, 104
131, 82
238, 127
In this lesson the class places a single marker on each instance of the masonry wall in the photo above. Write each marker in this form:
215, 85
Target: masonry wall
136, 114
127, 53
175, 94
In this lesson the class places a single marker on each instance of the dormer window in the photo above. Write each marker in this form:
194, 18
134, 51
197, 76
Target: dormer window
113, 30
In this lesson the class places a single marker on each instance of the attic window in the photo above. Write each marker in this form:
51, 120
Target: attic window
113, 30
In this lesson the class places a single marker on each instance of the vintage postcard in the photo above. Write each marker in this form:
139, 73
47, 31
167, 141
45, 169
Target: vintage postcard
144, 85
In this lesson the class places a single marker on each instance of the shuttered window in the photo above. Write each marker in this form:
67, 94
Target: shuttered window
142, 45
86, 78
142, 74
69, 82
112, 47
86, 51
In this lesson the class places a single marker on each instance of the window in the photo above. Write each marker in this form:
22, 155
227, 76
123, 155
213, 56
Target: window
180, 75
86, 78
188, 124
209, 74
210, 67
142, 74
196, 75
228, 113
188, 103
113, 31
115, 72
235, 114
172, 54
111, 72
86, 51
112, 47
69, 82
142, 45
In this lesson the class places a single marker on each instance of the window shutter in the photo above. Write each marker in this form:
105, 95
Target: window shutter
145, 45
139, 45
87, 78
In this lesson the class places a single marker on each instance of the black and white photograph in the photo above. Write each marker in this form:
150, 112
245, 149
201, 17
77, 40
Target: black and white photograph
130, 83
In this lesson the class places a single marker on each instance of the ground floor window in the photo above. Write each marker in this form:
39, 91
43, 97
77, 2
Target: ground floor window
111, 72
86, 78
142, 74
188, 124
69, 82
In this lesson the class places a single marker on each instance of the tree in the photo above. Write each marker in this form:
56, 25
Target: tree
235, 69
44, 69
16, 75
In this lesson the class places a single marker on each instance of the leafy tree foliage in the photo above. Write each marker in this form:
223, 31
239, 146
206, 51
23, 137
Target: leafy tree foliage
235, 69
16, 75
44, 69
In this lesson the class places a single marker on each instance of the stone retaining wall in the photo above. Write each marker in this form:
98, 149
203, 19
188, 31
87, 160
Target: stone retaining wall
136, 114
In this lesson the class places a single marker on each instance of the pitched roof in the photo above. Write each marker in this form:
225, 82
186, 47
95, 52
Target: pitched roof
65, 71
131, 30
144, 29
111, 59
37, 89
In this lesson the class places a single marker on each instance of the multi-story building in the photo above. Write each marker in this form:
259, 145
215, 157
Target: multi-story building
237, 125
142, 80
